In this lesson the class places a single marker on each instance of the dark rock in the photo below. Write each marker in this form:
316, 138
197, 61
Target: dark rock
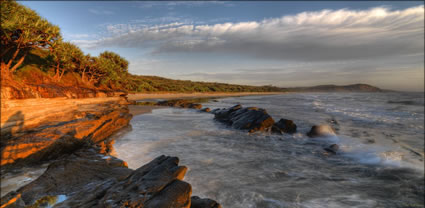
90, 179
332, 149
180, 104
197, 202
206, 110
253, 119
321, 131
215, 110
284, 126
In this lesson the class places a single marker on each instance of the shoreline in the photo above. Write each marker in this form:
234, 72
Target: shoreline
168, 95
142, 109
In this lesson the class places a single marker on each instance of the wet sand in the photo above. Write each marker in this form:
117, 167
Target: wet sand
141, 109
167, 95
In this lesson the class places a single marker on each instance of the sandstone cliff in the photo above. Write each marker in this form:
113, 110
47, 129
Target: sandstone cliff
34, 129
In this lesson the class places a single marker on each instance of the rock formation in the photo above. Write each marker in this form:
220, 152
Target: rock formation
181, 103
45, 128
251, 118
284, 126
90, 179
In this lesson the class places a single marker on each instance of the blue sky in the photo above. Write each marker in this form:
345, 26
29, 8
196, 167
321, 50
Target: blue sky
279, 43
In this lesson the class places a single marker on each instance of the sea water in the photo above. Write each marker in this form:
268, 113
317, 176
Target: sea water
380, 162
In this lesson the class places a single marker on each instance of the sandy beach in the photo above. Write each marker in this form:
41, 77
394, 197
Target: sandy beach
167, 95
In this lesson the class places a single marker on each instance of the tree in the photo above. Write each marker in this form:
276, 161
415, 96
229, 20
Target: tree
22, 30
114, 68
94, 69
67, 57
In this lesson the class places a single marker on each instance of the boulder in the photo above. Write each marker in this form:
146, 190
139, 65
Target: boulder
197, 202
90, 179
332, 149
252, 119
284, 126
321, 131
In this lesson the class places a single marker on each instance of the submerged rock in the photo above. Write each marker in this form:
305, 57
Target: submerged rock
197, 202
332, 149
321, 131
206, 110
284, 126
180, 104
253, 119
90, 179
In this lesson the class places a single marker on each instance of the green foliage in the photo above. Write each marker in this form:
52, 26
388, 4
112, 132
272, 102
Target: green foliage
22, 30
66, 57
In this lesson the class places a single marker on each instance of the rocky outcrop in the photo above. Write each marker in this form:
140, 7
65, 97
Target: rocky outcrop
321, 131
90, 179
284, 126
38, 129
181, 103
251, 118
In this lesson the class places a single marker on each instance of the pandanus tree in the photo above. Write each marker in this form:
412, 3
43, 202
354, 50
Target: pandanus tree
66, 56
113, 66
22, 30
93, 70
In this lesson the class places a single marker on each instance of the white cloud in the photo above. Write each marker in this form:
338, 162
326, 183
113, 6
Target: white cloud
325, 35
101, 12
172, 4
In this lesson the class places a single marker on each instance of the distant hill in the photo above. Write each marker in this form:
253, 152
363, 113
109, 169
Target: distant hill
336, 88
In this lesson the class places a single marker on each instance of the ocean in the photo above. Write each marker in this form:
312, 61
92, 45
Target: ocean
380, 162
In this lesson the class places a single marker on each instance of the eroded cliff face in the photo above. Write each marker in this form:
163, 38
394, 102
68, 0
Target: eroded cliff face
36, 129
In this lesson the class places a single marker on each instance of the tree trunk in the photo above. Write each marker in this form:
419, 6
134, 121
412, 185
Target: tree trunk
13, 58
84, 73
60, 77
57, 71
21, 60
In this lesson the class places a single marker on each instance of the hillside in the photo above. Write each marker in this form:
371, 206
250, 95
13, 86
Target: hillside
336, 88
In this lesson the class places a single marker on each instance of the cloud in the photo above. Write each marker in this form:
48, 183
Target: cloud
325, 35
101, 12
172, 4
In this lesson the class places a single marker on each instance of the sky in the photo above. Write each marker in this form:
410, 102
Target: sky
280, 43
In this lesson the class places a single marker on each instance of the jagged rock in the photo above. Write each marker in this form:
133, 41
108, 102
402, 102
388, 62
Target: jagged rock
206, 110
321, 131
284, 126
89, 179
197, 202
253, 119
332, 149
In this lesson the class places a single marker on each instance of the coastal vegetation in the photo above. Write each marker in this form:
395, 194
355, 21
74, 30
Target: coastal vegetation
34, 52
